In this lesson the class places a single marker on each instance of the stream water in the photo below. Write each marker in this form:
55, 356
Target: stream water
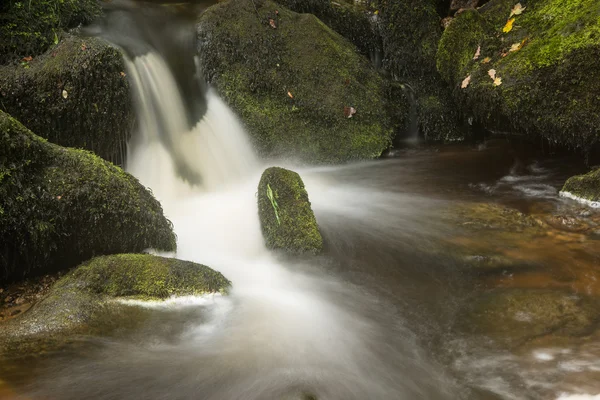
412, 244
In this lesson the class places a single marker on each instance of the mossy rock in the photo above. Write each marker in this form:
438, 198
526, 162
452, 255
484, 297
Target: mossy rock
28, 28
550, 86
88, 292
290, 84
514, 316
410, 32
287, 220
584, 187
60, 206
75, 95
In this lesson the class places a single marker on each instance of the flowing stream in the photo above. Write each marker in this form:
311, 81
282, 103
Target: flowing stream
375, 316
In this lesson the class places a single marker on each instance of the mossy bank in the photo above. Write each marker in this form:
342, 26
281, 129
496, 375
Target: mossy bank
78, 302
294, 82
60, 206
75, 95
287, 220
546, 62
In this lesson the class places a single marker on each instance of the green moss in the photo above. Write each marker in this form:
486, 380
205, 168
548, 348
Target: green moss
62, 206
287, 220
584, 186
550, 87
254, 67
28, 28
97, 113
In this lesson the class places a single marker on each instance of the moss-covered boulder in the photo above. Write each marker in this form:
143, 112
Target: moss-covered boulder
28, 28
75, 95
514, 316
410, 32
545, 60
585, 188
80, 298
294, 82
60, 206
287, 220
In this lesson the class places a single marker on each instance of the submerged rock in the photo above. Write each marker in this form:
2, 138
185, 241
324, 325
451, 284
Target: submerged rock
287, 220
514, 316
584, 188
547, 83
88, 293
75, 95
301, 89
28, 28
59, 207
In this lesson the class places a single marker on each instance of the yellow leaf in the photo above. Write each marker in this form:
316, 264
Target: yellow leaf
477, 53
509, 25
466, 82
486, 60
515, 47
517, 10
290, 95
492, 73
498, 81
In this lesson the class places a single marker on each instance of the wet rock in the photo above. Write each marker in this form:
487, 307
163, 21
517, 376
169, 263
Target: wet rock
585, 188
514, 316
88, 293
287, 220
463, 4
62, 206
75, 95
549, 84
290, 81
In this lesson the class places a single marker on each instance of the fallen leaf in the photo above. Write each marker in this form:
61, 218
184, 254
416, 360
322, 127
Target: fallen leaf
123, 74
517, 10
28, 58
272, 23
276, 12
503, 54
64, 94
477, 53
349, 112
509, 25
83, 46
486, 60
376, 12
58, 197
498, 81
465, 82
515, 47
492, 73
290, 95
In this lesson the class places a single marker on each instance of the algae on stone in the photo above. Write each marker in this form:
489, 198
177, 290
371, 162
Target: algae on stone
60, 206
84, 295
287, 220
585, 187
290, 84
75, 95
550, 87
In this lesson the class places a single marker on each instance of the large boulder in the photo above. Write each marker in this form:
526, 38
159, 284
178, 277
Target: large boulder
28, 28
61, 206
584, 188
294, 82
78, 302
287, 220
75, 95
410, 32
545, 61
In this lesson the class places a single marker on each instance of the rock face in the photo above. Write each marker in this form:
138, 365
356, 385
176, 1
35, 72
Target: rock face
83, 295
75, 95
294, 82
513, 316
410, 32
60, 206
30, 28
286, 218
549, 83
584, 188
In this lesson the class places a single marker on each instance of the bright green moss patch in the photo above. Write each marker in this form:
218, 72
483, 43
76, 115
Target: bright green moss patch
62, 206
290, 85
75, 95
287, 220
550, 87
586, 187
